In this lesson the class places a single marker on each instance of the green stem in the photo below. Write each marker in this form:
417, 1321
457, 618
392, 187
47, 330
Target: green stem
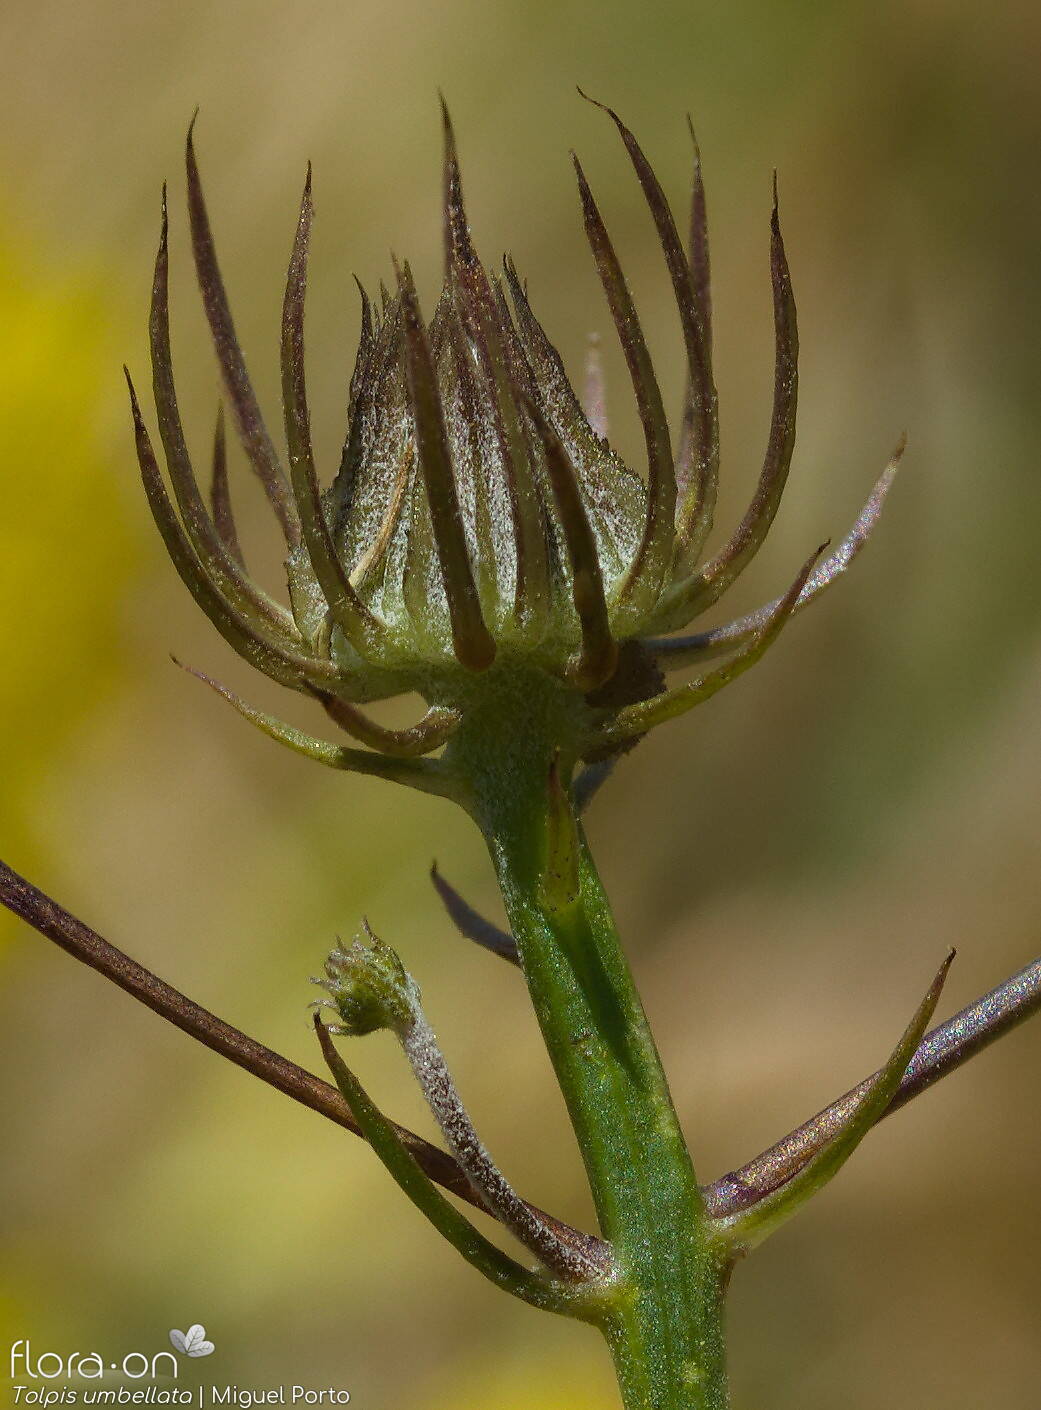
664, 1319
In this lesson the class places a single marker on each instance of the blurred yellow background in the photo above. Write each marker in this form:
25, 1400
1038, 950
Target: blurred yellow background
789, 863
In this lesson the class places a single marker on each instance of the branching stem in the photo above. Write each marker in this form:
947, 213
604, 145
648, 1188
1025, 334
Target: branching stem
83, 943
945, 1049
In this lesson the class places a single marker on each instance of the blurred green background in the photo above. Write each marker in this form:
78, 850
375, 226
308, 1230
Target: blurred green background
789, 864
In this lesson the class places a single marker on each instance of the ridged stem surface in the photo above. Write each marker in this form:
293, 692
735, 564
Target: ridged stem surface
664, 1320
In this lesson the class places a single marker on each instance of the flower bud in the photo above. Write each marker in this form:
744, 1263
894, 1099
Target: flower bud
370, 988
479, 522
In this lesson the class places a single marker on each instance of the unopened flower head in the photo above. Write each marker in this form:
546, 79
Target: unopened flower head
370, 987
479, 523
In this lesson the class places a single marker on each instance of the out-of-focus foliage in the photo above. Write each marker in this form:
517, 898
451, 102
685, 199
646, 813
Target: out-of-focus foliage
69, 559
789, 865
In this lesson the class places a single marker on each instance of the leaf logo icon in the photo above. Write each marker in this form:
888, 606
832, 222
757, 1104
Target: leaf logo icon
192, 1342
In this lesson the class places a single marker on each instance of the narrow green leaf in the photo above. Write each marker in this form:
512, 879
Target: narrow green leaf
534, 1288
745, 1230
427, 775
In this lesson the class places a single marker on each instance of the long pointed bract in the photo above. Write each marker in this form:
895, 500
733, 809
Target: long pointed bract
220, 492
697, 464
348, 611
599, 649
428, 775
213, 553
704, 433
427, 734
473, 644
747, 539
279, 662
652, 557
673, 653
255, 438
635, 720
479, 313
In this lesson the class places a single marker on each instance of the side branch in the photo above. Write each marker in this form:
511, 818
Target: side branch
533, 1287
940, 1052
78, 940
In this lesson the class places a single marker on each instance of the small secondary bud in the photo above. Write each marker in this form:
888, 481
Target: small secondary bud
370, 988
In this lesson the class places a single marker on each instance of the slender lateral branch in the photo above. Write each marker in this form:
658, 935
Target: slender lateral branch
370, 989
940, 1052
750, 1227
381, 1134
494, 1190
77, 939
